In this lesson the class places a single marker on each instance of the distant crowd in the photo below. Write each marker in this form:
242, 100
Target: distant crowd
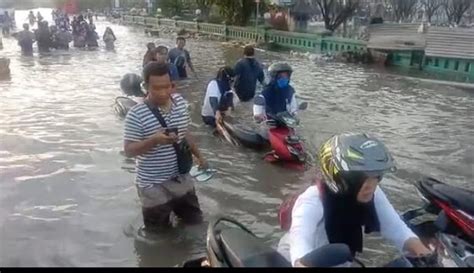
80, 31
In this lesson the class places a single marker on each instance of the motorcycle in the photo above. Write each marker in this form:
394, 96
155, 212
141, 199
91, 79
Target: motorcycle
122, 105
236, 246
131, 86
452, 230
286, 146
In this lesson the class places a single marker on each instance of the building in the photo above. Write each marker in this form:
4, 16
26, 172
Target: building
404, 43
449, 51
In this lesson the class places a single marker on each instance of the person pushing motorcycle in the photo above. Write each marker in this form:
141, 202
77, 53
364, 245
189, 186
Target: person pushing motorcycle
278, 95
346, 201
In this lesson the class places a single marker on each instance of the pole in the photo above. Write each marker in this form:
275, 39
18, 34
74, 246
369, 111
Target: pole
256, 19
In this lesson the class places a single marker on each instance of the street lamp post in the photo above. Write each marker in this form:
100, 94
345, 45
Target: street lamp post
257, 2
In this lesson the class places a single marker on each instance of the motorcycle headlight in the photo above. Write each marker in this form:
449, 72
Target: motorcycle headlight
292, 150
301, 156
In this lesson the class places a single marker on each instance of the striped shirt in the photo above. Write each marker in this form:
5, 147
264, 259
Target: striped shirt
160, 163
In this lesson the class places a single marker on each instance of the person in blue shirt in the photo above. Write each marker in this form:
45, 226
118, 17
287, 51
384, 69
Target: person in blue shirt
247, 72
278, 95
181, 58
161, 56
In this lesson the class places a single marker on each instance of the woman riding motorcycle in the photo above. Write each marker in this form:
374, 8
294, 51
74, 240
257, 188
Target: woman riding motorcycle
219, 96
278, 95
346, 200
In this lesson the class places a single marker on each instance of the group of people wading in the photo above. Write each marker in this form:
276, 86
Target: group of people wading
64, 31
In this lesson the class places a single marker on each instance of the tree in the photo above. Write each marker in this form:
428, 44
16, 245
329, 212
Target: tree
236, 12
335, 13
455, 9
403, 10
431, 6
171, 8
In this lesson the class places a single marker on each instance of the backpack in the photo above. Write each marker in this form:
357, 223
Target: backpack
180, 61
286, 208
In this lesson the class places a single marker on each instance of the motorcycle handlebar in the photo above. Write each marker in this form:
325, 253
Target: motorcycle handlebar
430, 260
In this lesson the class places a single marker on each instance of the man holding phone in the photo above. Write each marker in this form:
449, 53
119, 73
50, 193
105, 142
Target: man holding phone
161, 187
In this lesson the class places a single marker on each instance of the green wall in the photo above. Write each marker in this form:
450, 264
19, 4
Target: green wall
457, 69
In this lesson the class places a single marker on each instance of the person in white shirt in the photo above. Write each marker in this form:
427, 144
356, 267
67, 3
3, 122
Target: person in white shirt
347, 200
219, 97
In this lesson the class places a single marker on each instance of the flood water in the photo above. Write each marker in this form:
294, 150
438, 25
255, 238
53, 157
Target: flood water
67, 196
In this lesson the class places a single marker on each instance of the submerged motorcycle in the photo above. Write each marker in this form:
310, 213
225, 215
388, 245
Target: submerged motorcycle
281, 137
131, 86
453, 228
236, 246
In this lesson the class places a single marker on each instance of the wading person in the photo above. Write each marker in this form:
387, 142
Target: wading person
26, 38
109, 39
219, 97
181, 58
161, 56
156, 133
148, 57
247, 72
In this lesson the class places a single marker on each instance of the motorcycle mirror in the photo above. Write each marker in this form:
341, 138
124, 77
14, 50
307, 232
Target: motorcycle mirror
303, 106
331, 255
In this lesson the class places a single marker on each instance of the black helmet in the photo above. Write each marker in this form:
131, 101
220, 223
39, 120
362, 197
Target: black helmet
276, 68
131, 85
347, 159
225, 73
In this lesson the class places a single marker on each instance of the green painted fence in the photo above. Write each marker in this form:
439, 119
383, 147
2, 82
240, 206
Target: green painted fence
463, 70
460, 69
212, 29
285, 39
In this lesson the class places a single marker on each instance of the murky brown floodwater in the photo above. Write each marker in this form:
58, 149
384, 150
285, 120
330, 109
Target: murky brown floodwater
66, 194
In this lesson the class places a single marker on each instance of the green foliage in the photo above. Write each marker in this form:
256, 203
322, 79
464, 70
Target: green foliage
236, 12
171, 8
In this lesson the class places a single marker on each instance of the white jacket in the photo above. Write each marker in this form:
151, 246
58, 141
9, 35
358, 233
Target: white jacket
308, 232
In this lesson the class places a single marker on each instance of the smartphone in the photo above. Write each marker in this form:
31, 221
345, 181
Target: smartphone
172, 130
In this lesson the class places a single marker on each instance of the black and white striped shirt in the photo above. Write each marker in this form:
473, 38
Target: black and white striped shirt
160, 163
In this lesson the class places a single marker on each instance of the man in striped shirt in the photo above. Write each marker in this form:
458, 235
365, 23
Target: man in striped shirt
161, 188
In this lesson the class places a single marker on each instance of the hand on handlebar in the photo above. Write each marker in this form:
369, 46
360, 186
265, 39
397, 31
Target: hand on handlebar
260, 118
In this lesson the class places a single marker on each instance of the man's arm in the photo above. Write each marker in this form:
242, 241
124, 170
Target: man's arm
293, 106
261, 75
133, 149
188, 60
237, 71
195, 150
259, 108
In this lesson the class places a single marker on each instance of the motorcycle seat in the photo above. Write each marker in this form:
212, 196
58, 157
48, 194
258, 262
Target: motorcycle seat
462, 199
243, 249
246, 135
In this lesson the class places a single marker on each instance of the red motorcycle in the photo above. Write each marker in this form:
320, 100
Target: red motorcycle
453, 229
281, 137
286, 145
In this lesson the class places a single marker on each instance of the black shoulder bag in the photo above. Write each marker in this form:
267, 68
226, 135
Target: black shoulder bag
183, 149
